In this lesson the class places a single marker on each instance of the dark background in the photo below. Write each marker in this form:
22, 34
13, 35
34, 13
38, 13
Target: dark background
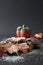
18, 12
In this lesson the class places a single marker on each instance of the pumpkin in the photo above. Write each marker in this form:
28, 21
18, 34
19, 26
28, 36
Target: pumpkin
23, 31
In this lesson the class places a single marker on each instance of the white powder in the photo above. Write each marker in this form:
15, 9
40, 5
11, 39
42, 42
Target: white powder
13, 58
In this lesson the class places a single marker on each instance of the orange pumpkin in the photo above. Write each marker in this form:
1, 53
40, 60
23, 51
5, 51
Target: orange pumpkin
23, 31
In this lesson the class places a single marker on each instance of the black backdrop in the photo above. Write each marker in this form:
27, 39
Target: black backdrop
17, 12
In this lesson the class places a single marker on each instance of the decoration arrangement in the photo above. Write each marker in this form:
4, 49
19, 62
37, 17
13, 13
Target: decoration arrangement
23, 43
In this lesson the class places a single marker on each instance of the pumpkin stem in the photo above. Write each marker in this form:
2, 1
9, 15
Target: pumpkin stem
23, 26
